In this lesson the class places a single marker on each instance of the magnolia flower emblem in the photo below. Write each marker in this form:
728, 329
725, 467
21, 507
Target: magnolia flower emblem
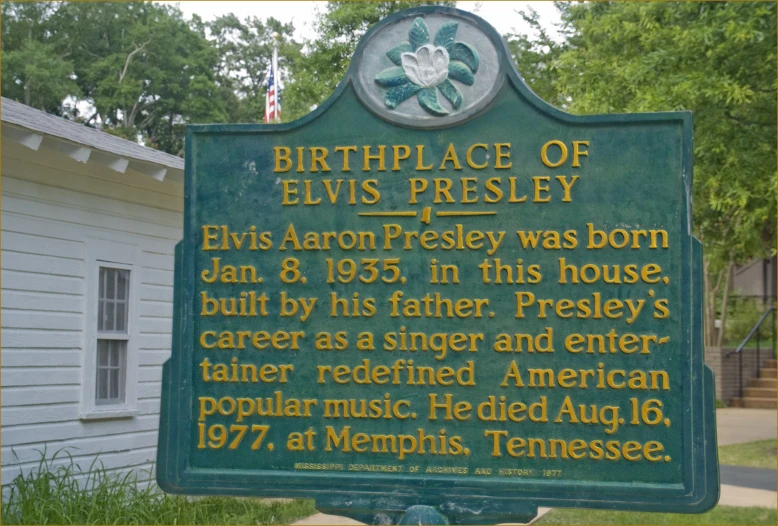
424, 69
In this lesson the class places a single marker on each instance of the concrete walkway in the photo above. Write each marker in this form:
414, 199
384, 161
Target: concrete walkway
746, 497
736, 426
745, 477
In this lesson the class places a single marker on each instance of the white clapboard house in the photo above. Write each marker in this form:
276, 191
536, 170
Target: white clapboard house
89, 224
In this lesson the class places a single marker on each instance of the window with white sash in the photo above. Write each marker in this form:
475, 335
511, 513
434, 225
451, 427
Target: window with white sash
113, 307
110, 363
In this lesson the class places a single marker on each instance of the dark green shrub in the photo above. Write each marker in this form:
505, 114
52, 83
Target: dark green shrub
742, 314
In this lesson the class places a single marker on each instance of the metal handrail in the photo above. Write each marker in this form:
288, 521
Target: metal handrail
752, 331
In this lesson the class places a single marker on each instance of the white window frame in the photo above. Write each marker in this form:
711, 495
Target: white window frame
126, 256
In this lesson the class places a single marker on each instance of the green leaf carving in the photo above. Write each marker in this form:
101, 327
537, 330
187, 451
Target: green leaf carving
428, 99
462, 66
463, 52
396, 52
452, 93
446, 34
391, 77
419, 34
458, 71
397, 94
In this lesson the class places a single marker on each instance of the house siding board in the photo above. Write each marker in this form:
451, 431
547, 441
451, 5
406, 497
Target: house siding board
149, 373
158, 309
92, 179
161, 293
153, 358
40, 264
42, 357
23, 396
33, 376
29, 244
62, 321
154, 342
83, 447
47, 220
25, 300
32, 281
35, 339
78, 429
72, 216
149, 390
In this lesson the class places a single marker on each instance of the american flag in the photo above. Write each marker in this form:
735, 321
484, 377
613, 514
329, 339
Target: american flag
273, 98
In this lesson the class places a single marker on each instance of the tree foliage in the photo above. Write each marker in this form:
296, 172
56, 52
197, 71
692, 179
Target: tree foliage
535, 57
144, 70
716, 59
37, 68
245, 50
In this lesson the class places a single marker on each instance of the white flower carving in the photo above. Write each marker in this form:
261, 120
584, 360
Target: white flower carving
428, 67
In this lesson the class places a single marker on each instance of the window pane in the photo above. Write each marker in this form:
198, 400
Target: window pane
111, 372
113, 302
108, 316
121, 317
123, 288
110, 290
103, 352
101, 280
102, 384
100, 315
121, 372
114, 390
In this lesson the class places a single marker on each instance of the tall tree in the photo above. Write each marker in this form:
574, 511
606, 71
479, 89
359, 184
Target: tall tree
36, 66
143, 68
245, 49
714, 58
535, 56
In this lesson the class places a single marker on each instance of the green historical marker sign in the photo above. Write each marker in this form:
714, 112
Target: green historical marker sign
437, 290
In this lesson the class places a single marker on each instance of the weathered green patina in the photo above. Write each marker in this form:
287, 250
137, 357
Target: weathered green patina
604, 402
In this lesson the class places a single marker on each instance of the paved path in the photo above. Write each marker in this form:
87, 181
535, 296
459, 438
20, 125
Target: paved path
745, 477
736, 425
737, 496
321, 518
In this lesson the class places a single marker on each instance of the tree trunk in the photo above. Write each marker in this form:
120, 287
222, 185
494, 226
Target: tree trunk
711, 303
724, 301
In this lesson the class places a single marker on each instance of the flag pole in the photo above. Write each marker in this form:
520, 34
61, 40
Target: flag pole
277, 112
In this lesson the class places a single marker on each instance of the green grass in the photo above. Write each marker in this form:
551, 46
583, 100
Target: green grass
759, 454
52, 495
719, 515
